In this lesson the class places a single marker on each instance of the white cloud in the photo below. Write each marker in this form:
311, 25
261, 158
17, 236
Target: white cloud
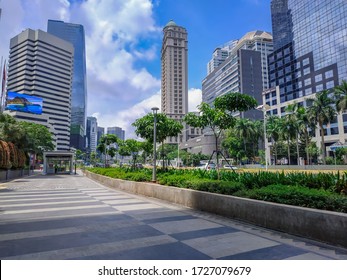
194, 99
126, 117
114, 29
119, 90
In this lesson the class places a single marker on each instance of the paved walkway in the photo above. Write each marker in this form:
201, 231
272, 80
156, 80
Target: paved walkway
73, 217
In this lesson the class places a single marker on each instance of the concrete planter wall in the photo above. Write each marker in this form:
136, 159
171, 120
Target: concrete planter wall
325, 226
6, 175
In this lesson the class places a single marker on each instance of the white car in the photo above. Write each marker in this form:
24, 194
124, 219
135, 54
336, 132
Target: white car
227, 166
207, 166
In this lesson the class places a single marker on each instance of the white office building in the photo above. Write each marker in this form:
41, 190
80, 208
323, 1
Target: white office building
92, 134
41, 64
220, 54
245, 70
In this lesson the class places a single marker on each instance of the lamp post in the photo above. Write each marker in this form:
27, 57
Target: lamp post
264, 108
154, 173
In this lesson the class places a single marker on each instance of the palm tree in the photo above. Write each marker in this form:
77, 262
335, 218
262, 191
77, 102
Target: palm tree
341, 96
273, 127
321, 113
303, 128
288, 131
293, 121
244, 130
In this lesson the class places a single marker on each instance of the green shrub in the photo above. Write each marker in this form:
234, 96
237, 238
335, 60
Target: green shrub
214, 186
299, 196
325, 191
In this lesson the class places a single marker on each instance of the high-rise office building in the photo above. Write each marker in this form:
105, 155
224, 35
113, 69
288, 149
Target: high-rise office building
101, 132
220, 54
40, 64
174, 72
310, 55
118, 131
245, 70
74, 33
92, 134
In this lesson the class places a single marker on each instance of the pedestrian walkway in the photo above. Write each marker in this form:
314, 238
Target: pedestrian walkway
73, 217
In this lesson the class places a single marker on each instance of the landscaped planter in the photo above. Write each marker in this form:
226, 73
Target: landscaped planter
10, 174
320, 225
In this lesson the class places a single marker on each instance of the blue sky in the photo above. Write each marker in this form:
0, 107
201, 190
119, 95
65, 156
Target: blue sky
123, 43
211, 23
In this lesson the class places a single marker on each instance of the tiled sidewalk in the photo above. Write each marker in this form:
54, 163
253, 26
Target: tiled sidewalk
73, 217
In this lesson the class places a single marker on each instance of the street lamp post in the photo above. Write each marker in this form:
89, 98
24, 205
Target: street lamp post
264, 108
154, 173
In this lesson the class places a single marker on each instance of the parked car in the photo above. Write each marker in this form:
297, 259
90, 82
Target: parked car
227, 166
207, 166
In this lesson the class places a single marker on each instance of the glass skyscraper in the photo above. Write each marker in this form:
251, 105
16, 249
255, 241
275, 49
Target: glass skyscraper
310, 55
310, 46
74, 33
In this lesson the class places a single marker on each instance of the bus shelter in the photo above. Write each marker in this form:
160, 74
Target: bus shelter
58, 162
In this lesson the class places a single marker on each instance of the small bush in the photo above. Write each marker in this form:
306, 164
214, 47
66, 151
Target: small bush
325, 191
214, 186
299, 196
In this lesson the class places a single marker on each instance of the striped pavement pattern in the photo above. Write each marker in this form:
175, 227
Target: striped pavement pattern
73, 217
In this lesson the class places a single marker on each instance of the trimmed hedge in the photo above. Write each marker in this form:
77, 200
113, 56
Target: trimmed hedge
324, 191
298, 196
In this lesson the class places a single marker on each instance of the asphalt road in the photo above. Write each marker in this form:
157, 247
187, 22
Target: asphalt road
73, 217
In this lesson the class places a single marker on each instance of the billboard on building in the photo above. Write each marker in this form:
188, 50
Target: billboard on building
23, 103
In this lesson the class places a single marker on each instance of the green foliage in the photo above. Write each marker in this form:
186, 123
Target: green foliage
326, 191
166, 127
234, 101
299, 196
321, 112
105, 141
27, 136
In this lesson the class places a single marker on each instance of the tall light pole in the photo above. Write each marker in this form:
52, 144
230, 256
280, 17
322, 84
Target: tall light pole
264, 108
154, 173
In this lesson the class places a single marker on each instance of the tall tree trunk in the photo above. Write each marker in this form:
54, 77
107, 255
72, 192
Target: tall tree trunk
297, 149
275, 147
307, 152
288, 149
217, 159
322, 142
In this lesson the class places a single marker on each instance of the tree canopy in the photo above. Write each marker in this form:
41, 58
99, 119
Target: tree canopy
28, 136
166, 127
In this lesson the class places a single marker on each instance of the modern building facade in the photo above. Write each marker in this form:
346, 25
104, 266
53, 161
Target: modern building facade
41, 64
118, 131
92, 134
74, 33
174, 73
310, 55
101, 132
220, 54
245, 70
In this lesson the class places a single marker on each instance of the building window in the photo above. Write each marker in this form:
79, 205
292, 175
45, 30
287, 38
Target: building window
329, 74
308, 91
318, 78
319, 88
334, 130
306, 70
330, 84
305, 61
